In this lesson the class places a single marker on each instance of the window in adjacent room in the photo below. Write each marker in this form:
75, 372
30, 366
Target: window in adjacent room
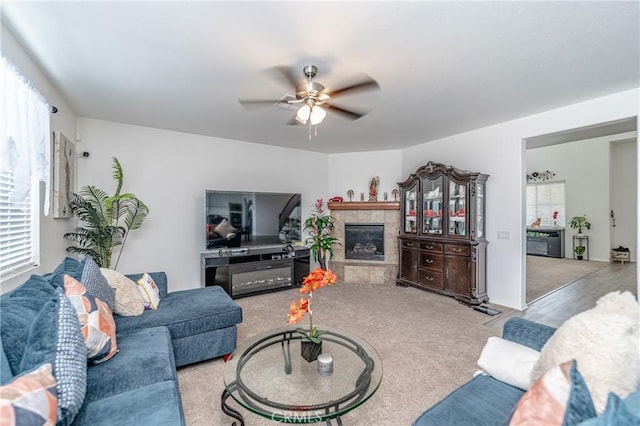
24, 163
543, 199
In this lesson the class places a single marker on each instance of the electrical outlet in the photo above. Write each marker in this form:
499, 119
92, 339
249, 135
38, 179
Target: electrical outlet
504, 235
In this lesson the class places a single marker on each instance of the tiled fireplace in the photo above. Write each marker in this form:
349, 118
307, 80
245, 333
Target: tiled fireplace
370, 254
364, 241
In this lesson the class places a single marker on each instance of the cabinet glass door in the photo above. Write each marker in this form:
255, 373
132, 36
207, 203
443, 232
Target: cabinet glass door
410, 209
480, 211
432, 207
457, 209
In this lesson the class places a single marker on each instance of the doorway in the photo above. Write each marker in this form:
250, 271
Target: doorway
599, 165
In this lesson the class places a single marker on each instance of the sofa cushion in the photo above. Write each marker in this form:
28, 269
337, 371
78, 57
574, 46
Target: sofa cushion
560, 397
55, 338
96, 321
128, 300
157, 404
479, 402
145, 357
30, 399
188, 312
19, 309
528, 333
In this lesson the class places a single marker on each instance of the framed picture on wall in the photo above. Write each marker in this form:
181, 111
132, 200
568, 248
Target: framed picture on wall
64, 174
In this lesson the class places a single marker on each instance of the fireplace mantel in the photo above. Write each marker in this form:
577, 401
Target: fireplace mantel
364, 205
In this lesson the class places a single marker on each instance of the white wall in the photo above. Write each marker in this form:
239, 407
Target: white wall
585, 168
170, 172
52, 245
355, 170
499, 151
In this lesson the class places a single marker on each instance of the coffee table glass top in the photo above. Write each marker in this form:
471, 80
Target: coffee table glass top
268, 376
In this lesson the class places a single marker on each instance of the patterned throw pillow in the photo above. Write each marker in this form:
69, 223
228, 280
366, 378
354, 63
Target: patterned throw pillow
95, 282
30, 399
149, 291
128, 301
560, 397
96, 321
55, 338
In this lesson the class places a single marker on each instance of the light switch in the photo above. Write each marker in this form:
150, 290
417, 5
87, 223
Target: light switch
504, 235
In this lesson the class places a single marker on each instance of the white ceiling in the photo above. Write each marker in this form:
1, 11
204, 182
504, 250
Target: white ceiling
443, 67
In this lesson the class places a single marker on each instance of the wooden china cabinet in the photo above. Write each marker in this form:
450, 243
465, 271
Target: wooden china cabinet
442, 239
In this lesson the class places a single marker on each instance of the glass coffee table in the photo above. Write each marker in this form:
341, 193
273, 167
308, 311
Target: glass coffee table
268, 376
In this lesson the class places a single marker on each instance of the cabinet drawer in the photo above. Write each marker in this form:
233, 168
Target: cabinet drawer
432, 247
409, 244
430, 278
455, 249
430, 261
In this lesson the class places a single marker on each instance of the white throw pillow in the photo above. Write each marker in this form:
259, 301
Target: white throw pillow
604, 343
149, 290
508, 362
128, 300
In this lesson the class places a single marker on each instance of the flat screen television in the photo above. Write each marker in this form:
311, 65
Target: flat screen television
243, 218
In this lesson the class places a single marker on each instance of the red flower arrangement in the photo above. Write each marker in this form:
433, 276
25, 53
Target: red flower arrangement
555, 215
318, 278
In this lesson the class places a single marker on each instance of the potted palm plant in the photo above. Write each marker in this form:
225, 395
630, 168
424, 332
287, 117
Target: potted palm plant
107, 220
579, 222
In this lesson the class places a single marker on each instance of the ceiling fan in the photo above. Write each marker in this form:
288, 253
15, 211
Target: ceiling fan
312, 98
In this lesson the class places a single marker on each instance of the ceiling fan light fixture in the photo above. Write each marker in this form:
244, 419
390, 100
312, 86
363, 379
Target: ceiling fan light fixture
317, 115
303, 114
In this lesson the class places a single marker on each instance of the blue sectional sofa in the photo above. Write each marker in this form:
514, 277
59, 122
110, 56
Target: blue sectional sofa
139, 385
486, 401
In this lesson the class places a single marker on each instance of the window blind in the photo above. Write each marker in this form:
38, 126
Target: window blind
16, 229
25, 153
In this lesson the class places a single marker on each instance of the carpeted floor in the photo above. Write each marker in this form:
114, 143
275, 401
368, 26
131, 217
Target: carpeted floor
545, 274
429, 345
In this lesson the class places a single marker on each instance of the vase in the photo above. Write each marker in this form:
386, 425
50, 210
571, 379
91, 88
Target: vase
310, 350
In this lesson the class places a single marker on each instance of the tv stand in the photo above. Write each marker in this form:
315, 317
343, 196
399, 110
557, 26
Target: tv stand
245, 271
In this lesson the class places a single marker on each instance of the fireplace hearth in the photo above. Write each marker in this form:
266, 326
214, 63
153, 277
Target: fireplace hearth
364, 241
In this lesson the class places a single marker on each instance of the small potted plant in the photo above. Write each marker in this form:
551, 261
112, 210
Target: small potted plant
580, 251
579, 222
311, 344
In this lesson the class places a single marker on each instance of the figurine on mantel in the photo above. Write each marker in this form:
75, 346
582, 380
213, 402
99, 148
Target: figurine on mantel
536, 223
373, 188
350, 194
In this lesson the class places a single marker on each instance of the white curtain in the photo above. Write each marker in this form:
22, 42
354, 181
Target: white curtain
25, 140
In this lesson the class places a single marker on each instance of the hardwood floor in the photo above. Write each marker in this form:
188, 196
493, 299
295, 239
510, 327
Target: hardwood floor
555, 308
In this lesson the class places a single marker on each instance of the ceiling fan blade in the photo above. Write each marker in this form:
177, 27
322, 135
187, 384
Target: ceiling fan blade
351, 115
367, 84
259, 102
283, 72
